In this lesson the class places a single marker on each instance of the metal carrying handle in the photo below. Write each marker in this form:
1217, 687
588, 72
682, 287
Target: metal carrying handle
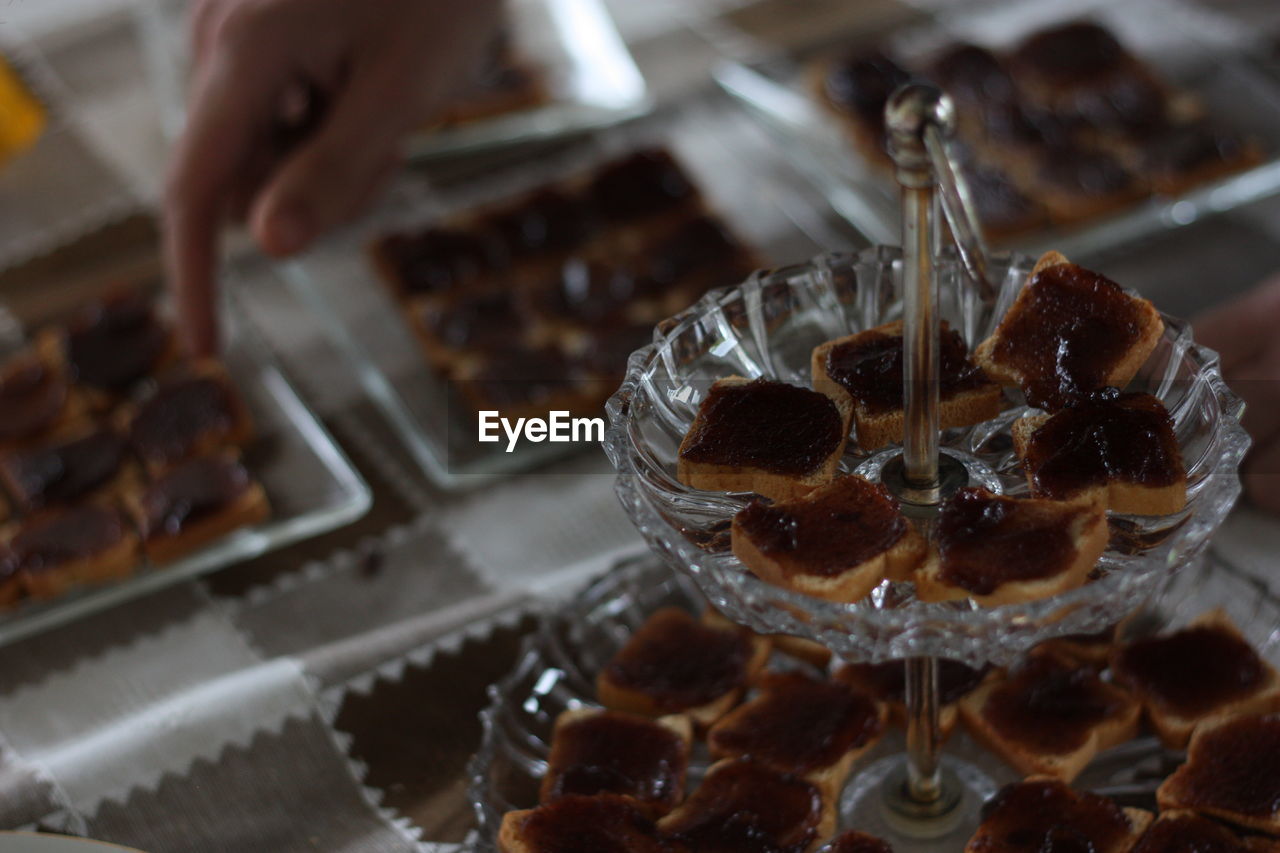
958, 208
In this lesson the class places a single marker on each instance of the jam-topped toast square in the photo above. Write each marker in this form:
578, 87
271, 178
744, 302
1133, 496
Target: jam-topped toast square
868, 367
1119, 449
1201, 671
815, 729
595, 751
37, 399
1000, 550
194, 409
1069, 333
1188, 832
90, 462
775, 439
195, 502
1041, 814
1049, 716
579, 824
744, 805
52, 551
1232, 773
838, 542
676, 663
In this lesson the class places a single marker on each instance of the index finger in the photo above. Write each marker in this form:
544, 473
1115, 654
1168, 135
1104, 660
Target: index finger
227, 114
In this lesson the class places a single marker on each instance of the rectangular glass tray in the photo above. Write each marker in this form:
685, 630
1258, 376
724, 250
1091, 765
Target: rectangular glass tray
592, 79
1193, 48
310, 483
738, 168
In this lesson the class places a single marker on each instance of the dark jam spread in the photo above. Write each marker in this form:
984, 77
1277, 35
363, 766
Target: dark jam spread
679, 663
64, 472
799, 725
178, 416
116, 342
1124, 437
1072, 55
605, 351
842, 526
888, 680
862, 84
645, 183
997, 200
1084, 171
440, 260
1066, 333
692, 246
1178, 150
1050, 706
972, 74
1188, 833
590, 291
1049, 817
1193, 671
985, 541
771, 426
869, 367
481, 321
589, 825
617, 754
858, 842
193, 490
744, 807
550, 220
74, 534
1233, 767
31, 398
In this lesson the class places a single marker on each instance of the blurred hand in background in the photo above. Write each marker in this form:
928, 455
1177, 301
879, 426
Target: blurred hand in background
297, 112
1246, 333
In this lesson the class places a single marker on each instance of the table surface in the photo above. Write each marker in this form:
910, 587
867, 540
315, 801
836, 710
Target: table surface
324, 697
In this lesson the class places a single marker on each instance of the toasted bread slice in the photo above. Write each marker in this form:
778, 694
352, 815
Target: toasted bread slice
1067, 444
813, 653
802, 726
1052, 351
838, 542
1232, 772
675, 663
59, 549
743, 805
577, 824
596, 751
1030, 816
736, 443
1205, 670
887, 682
966, 396
1049, 716
1188, 832
999, 550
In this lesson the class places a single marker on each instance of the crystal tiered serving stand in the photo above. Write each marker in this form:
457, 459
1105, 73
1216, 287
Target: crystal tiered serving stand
768, 327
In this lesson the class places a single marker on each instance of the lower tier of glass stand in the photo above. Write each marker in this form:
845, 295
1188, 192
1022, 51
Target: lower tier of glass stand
557, 667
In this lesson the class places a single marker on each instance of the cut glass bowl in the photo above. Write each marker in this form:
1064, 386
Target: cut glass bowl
767, 327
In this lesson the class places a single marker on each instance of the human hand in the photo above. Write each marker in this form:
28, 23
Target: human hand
1243, 331
297, 112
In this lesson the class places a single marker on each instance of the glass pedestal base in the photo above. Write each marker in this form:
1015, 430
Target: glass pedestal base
875, 801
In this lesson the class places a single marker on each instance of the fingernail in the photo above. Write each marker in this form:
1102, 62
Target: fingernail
288, 231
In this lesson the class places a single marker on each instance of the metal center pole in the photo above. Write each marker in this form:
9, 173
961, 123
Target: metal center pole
913, 114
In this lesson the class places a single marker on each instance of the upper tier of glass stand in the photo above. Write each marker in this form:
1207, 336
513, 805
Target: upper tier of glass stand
767, 327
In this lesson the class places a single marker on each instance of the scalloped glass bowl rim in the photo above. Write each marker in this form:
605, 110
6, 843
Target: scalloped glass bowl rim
1062, 614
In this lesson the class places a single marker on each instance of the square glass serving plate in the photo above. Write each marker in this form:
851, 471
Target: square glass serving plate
732, 161
591, 78
1192, 47
311, 485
